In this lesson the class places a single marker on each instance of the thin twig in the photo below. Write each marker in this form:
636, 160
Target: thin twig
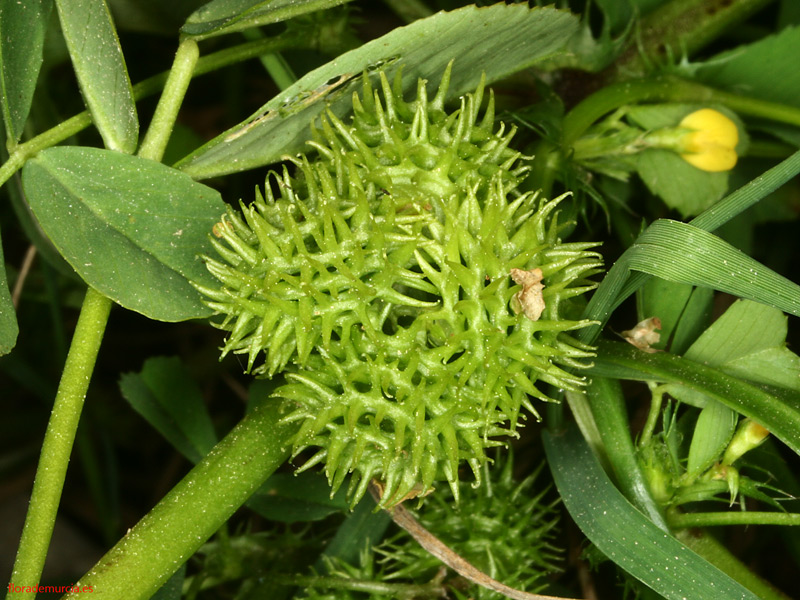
440, 550
23, 275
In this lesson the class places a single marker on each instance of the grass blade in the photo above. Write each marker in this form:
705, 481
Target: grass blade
624, 534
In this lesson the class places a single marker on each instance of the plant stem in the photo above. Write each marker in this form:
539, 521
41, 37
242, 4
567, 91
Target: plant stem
656, 397
143, 89
155, 141
719, 556
433, 589
666, 89
710, 519
194, 509
58, 441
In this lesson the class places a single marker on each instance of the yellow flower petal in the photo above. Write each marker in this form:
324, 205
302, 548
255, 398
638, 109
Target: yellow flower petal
712, 144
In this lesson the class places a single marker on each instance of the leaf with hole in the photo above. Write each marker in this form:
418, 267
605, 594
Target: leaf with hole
496, 40
228, 16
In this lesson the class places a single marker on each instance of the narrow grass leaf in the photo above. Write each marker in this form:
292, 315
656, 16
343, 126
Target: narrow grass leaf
624, 534
100, 67
227, 16
496, 40
131, 228
620, 283
22, 29
777, 409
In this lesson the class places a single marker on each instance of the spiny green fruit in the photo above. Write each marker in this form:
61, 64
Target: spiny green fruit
505, 528
381, 279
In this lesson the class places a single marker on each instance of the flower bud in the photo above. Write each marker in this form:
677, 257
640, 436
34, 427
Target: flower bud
710, 143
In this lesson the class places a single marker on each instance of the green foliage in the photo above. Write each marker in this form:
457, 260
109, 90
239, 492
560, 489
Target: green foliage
403, 294
505, 527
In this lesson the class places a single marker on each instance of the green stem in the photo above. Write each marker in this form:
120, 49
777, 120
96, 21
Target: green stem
733, 517
656, 397
155, 142
193, 510
719, 556
433, 589
143, 89
58, 441
666, 89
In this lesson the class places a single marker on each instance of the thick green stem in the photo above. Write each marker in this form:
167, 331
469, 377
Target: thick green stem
170, 102
719, 556
193, 510
58, 440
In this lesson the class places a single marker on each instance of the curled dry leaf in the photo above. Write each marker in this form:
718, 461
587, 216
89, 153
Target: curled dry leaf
529, 299
644, 334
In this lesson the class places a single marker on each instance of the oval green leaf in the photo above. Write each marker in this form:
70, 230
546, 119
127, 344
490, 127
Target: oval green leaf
132, 228
100, 67
496, 40
22, 29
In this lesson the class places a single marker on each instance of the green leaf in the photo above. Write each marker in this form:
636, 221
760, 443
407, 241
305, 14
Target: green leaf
100, 67
777, 366
22, 29
168, 398
748, 340
745, 328
291, 498
608, 408
497, 40
766, 69
624, 534
619, 283
665, 300
683, 187
132, 228
714, 429
8, 314
363, 527
776, 409
227, 16
695, 318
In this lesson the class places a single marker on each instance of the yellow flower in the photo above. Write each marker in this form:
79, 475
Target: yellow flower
711, 146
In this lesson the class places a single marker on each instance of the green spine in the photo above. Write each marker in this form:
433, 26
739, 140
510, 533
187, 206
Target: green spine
378, 279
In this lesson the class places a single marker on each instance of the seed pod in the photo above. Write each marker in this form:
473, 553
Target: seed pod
378, 278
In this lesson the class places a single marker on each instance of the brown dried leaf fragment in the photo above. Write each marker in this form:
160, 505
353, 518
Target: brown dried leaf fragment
529, 299
644, 334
